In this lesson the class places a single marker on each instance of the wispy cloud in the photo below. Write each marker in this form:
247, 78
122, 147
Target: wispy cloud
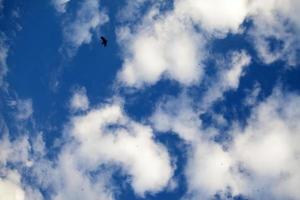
60, 5
3, 57
80, 28
227, 78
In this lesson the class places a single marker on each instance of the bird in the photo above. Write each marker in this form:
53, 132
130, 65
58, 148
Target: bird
103, 41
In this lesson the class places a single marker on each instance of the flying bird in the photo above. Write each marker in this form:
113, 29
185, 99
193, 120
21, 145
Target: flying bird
103, 41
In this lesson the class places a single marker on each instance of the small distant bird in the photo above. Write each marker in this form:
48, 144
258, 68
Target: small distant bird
103, 41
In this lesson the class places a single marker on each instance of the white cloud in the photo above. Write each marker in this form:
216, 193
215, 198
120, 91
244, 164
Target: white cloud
60, 5
79, 30
211, 170
10, 188
267, 33
215, 16
228, 78
163, 46
79, 100
276, 20
73, 182
14, 151
106, 136
177, 115
268, 148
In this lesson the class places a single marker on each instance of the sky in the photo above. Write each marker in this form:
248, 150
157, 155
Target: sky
190, 100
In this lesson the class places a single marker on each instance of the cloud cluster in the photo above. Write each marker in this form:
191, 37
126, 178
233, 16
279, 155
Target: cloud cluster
260, 162
98, 143
171, 44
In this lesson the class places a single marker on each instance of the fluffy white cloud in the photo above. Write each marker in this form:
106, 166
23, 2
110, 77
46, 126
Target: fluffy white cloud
10, 188
212, 170
268, 148
79, 100
79, 30
163, 46
214, 16
105, 135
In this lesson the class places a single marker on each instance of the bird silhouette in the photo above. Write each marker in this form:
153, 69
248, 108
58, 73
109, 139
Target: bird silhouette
103, 41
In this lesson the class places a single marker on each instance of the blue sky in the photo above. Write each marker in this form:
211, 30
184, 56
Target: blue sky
191, 99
